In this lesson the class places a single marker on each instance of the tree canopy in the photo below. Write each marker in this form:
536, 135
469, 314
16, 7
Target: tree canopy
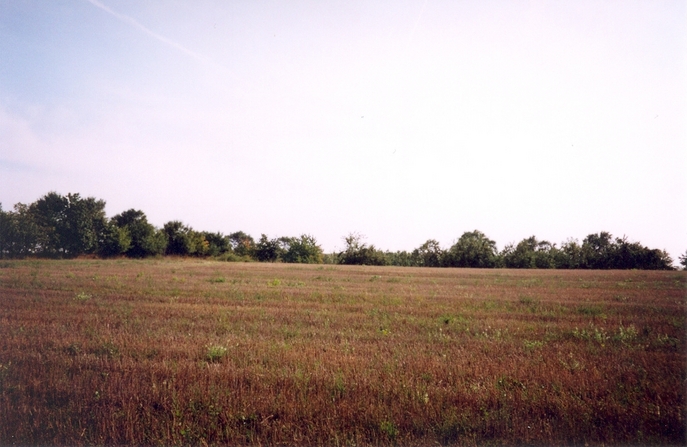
58, 226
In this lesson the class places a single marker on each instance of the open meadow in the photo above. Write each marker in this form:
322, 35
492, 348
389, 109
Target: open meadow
172, 352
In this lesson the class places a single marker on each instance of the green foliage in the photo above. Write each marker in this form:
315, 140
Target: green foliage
217, 243
179, 238
301, 250
241, 243
67, 225
529, 253
146, 240
429, 254
20, 236
473, 249
215, 353
268, 250
358, 253
600, 251
114, 241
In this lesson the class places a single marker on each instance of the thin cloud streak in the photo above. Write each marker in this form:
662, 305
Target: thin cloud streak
163, 39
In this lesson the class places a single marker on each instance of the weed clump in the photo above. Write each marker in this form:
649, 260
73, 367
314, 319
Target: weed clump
215, 353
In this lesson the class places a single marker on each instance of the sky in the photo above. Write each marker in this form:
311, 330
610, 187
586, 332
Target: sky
402, 121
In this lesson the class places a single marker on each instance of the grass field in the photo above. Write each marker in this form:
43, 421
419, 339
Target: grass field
199, 352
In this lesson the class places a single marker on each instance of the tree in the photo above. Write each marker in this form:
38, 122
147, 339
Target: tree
529, 253
569, 256
114, 241
70, 224
429, 254
178, 238
217, 243
19, 234
241, 243
359, 253
597, 251
267, 250
146, 240
473, 249
303, 250
683, 261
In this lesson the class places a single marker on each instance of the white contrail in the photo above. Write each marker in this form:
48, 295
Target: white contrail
417, 21
133, 22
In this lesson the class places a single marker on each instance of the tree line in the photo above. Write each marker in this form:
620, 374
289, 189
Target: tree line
57, 226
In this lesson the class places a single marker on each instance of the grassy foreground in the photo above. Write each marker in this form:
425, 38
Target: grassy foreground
199, 352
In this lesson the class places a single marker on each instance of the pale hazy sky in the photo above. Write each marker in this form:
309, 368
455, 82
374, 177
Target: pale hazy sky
400, 120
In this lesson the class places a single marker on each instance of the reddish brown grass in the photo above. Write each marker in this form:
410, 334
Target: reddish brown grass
196, 352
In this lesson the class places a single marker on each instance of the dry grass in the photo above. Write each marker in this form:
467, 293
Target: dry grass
196, 352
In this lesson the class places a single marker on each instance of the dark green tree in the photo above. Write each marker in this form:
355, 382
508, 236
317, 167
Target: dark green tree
114, 241
241, 243
302, 250
217, 243
529, 253
597, 251
683, 261
429, 254
473, 249
268, 250
20, 236
146, 240
70, 224
359, 253
569, 256
179, 238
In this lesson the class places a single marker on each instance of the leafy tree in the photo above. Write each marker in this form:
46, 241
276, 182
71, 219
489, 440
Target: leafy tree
401, 258
601, 251
114, 241
146, 240
569, 256
241, 243
597, 251
20, 236
529, 253
217, 243
473, 249
429, 254
268, 250
178, 238
199, 245
359, 253
683, 261
70, 224
50, 214
302, 250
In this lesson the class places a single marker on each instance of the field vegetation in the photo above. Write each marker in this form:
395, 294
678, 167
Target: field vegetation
174, 352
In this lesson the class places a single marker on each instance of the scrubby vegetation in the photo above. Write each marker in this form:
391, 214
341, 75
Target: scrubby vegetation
58, 226
174, 351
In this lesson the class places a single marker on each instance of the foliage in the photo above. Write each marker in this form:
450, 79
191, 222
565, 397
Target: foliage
473, 249
268, 250
114, 240
529, 253
241, 243
146, 240
217, 243
429, 254
59, 226
301, 250
359, 253
179, 238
